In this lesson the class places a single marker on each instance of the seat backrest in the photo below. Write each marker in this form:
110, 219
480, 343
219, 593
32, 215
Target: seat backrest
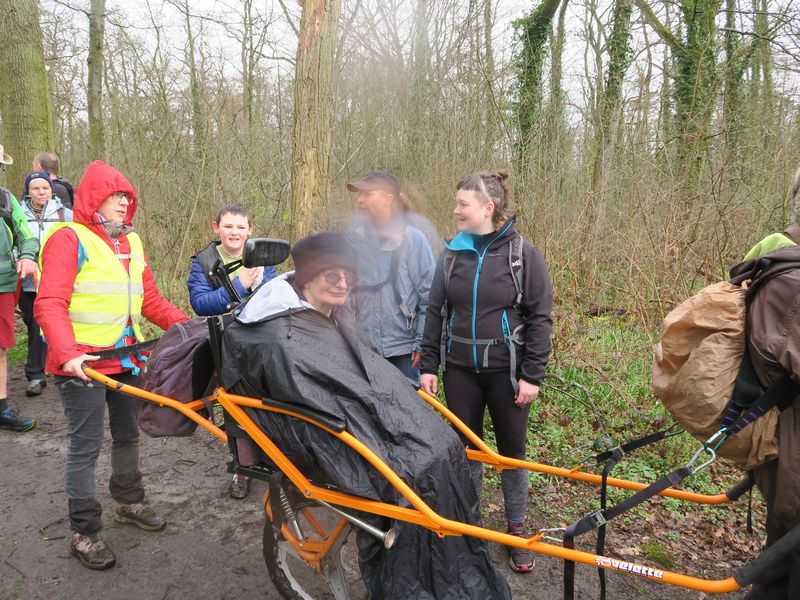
216, 326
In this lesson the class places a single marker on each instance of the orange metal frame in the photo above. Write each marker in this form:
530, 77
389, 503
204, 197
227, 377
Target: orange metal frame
420, 513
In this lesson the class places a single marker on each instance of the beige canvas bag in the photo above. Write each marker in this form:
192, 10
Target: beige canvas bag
696, 366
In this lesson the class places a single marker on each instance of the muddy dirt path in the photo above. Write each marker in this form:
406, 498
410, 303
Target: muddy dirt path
211, 548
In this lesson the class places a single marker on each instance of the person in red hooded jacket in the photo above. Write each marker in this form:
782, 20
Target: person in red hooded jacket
96, 285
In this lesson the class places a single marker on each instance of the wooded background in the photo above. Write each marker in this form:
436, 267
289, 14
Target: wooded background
651, 142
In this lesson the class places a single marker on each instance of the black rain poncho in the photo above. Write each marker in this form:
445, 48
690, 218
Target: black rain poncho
281, 347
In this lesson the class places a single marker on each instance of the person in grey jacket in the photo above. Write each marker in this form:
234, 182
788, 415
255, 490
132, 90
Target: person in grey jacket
42, 209
395, 270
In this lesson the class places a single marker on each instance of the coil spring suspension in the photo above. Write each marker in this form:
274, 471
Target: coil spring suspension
289, 515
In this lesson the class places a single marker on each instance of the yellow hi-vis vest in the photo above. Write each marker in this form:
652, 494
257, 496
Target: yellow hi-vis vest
105, 296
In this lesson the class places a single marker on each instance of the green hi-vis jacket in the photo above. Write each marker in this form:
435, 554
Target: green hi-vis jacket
15, 232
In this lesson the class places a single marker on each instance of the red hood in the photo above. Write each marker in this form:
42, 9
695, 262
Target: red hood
99, 181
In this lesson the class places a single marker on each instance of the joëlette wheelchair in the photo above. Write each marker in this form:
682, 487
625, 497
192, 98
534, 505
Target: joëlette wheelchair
308, 522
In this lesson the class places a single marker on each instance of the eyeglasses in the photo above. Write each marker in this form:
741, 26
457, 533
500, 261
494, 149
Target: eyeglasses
118, 197
333, 277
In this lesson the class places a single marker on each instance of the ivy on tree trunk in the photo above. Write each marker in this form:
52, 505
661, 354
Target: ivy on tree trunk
533, 32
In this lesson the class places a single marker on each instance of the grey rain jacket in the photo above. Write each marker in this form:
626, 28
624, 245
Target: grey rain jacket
392, 329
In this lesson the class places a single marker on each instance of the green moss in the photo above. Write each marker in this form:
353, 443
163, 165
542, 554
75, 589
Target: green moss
658, 554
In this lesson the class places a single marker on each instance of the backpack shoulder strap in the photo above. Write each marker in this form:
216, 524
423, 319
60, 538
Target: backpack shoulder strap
449, 263
515, 265
6, 209
208, 257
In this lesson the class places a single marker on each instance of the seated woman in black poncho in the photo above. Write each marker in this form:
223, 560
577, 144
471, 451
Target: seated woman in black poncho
290, 343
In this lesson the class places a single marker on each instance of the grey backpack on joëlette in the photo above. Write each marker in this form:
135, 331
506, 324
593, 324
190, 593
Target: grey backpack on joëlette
180, 367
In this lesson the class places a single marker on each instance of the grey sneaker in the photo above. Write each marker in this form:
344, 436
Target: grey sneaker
92, 551
141, 515
35, 387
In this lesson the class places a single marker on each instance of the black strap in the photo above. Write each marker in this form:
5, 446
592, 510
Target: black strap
515, 266
275, 491
126, 350
610, 459
751, 478
641, 442
394, 269
778, 394
601, 517
598, 518
616, 456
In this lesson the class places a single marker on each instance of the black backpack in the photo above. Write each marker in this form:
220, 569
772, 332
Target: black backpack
6, 210
515, 263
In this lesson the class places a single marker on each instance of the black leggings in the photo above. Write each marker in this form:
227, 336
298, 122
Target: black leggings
468, 395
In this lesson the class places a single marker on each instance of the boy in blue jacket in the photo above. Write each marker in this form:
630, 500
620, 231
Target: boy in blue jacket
207, 292
209, 296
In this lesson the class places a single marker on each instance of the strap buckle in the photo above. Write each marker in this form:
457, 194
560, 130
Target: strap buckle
596, 519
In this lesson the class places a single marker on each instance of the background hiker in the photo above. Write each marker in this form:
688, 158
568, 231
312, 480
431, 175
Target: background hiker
15, 233
489, 324
208, 295
62, 189
96, 287
395, 269
42, 209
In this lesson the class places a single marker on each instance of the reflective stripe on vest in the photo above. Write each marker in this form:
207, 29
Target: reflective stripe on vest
104, 296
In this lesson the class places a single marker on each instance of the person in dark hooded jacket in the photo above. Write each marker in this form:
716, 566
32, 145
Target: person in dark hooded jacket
773, 320
96, 287
492, 338
291, 343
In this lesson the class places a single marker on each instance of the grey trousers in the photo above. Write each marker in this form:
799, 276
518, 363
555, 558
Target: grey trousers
84, 408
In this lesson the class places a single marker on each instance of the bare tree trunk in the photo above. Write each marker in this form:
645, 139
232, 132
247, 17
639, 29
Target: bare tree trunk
608, 115
419, 92
198, 114
94, 88
313, 113
489, 76
24, 95
248, 64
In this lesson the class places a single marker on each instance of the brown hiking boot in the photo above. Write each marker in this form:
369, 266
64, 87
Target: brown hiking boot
92, 551
141, 515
